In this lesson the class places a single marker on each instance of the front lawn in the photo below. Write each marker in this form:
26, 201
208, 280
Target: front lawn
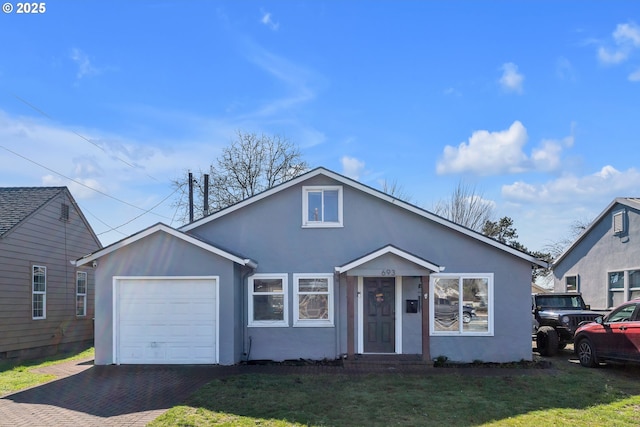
16, 376
566, 396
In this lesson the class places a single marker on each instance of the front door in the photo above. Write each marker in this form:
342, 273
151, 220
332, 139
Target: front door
379, 315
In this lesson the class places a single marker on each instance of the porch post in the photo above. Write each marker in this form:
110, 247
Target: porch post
351, 307
424, 303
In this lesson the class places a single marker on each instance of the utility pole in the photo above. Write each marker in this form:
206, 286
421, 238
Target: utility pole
206, 194
190, 197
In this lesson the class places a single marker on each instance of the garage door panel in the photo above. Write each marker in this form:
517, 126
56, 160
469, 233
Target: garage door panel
167, 320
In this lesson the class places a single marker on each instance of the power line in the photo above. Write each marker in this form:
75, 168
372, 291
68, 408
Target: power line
143, 213
80, 183
30, 105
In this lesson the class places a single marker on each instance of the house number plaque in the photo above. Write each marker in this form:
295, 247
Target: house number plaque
388, 272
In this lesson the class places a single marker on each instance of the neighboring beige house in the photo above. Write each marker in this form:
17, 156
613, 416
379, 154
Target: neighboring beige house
46, 304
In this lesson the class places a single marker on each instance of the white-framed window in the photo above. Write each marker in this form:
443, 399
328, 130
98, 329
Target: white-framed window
39, 292
634, 284
268, 300
322, 206
461, 304
313, 300
571, 284
616, 288
81, 293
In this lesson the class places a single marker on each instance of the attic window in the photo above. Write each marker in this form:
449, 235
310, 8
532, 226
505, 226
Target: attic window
322, 206
618, 223
64, 212
571, 283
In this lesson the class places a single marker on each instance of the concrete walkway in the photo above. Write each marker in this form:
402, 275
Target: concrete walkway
134, 395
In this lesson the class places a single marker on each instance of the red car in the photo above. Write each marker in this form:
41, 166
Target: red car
615, 336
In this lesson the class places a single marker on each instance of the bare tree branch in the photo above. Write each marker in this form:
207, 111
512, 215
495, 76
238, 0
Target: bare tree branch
249, 165
466, 207
396, 190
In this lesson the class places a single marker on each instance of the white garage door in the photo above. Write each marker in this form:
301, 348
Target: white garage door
166, 320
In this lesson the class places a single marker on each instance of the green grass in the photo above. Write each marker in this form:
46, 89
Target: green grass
568, 396
16, 376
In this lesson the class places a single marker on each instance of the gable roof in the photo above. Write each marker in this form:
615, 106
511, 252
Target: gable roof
389, 249
373, 192
632, 202
18, 203
162, 228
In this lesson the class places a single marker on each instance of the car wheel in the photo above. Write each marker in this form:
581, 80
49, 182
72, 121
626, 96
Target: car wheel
587, 353
466, 317
547, 341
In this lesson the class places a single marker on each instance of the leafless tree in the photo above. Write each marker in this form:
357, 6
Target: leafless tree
576, 228
249, 165
466, 207
395, 190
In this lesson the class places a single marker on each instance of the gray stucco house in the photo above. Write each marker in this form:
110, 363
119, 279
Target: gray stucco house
46, 304
604, 261
320, 267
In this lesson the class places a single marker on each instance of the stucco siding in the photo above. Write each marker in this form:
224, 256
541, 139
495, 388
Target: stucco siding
44, 239
164, 255
270, 231
412, 322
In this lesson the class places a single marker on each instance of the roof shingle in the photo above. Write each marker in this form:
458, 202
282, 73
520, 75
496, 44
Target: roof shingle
17, 203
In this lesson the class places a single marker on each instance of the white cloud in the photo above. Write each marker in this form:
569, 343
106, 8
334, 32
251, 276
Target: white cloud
511, 80
269, 22
565, 70
626, 38
487, 153
85, 68
299, 83
494, 153
351, 167
612, 57
635, 76
602, 185
627, 33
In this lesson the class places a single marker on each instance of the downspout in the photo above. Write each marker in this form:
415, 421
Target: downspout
251, 268
337, 313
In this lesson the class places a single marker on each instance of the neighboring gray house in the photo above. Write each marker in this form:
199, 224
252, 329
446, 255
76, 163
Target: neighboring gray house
604, 262
320, 267
46, 304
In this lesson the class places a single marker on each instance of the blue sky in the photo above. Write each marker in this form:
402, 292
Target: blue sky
534, 103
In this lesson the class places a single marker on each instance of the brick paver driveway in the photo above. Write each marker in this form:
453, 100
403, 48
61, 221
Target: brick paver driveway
88, 395
85, 395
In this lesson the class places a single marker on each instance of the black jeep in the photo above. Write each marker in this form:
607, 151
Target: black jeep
556, 318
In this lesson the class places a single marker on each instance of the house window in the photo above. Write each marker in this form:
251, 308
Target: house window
64, 212
634, 284
616, 288
571, 284
618, 223
81, 293
313, 300
268, 300
322, 206
461, 304
39, 292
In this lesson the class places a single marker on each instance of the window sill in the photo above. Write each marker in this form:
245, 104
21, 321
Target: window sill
268, 325
323, 225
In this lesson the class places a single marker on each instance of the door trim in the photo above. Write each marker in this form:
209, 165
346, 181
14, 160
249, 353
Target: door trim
397, 320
